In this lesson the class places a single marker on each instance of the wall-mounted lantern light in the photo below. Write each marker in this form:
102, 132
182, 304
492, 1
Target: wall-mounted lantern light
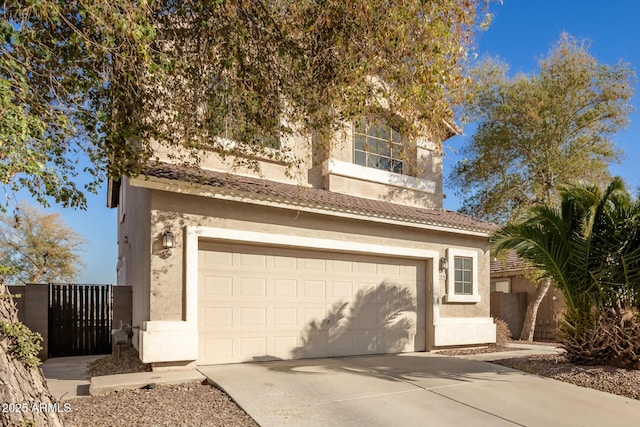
167, 245
167, 240
444, 264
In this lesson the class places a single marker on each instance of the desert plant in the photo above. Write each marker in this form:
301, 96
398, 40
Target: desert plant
503, 334
613, 340
590, 248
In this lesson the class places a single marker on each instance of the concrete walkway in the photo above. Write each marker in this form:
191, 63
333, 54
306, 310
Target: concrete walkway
414, 389
66, 377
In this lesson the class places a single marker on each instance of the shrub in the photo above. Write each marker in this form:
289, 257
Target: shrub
24, 344
503, 334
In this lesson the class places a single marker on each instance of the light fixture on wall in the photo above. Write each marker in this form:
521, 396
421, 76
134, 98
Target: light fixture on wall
444, 264
167, 244
167, 240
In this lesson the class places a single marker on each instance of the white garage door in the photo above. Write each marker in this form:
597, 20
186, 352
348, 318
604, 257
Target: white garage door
264, 303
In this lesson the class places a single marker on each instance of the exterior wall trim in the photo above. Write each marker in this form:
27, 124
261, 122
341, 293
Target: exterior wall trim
352, 170
451, 296
153, 346
158, 338
464, 331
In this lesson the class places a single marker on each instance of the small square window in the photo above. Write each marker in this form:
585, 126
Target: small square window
500, 286
462, 270
462, 276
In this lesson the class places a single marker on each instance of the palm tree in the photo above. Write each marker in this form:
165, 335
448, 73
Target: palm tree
590, 247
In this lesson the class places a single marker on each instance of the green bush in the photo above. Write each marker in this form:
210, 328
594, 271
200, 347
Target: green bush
24, 344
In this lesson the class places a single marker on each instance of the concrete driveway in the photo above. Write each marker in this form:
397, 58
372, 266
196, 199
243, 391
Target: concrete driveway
415, 389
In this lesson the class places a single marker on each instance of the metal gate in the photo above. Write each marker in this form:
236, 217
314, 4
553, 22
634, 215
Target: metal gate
80, 318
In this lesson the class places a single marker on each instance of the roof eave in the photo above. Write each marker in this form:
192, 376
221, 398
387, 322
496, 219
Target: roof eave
170, 185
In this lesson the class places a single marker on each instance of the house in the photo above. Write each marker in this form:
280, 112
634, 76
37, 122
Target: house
512, 288
354, 255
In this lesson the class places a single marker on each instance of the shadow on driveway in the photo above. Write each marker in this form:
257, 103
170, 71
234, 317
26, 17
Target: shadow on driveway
412, 389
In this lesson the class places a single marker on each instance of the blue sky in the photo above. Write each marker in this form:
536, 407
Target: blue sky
522, 32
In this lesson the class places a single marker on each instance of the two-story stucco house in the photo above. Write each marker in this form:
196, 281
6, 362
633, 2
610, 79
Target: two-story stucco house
353, 256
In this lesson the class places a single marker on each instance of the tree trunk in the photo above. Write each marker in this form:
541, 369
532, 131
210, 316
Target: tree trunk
529, 326
23, 389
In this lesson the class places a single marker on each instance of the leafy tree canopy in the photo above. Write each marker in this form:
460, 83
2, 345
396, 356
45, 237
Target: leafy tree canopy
538, 131
112, 80
38, 247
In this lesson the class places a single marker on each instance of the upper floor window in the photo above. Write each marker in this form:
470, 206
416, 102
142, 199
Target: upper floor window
377, 146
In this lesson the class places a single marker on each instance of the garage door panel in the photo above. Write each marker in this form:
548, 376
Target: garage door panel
216, 317
313, 264
365, 267
282, 345
285, 288
257, 303
341, 266
218, 286
252, 260
217, 350
391, 269
313, 315
285, 317
252, 346
314, 289
284, 263
252, 317
341, 289
215, 258
252, 286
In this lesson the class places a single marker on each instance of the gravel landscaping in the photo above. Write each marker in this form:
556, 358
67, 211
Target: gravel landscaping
476, 350
618, 381
196, 404
191, 404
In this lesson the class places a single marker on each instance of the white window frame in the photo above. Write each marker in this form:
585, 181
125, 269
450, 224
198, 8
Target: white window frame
391, 142
451, 295
506, 280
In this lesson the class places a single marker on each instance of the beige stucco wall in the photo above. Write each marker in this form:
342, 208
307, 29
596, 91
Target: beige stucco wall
387, 193
263, 167
134, 249
175, 211
312, 170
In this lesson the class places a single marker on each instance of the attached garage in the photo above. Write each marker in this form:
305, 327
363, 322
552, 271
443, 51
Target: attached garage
265, 302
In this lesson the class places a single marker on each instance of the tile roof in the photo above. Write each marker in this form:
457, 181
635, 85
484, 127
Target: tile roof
508, 264
318, 198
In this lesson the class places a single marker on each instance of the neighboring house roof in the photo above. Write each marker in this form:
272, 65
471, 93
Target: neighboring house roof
512, 263
314, 197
